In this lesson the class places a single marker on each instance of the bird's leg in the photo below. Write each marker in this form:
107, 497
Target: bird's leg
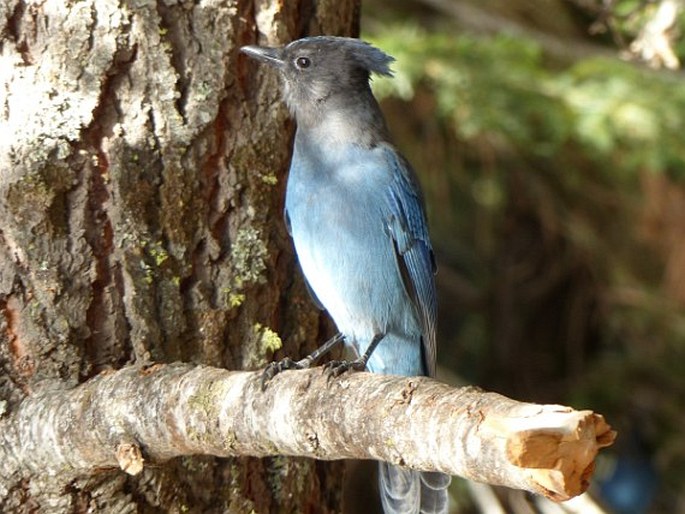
337, 368
274, 368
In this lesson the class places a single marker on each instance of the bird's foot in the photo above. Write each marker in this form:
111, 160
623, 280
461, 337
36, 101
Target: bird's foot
336, 368
274, 368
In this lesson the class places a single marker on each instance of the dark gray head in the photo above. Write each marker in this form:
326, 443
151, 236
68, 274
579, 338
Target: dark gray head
322, 68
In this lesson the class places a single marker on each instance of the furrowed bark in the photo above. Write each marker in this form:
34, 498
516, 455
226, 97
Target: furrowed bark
138, 414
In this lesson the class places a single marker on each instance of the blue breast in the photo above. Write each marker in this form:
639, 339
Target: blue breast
339, 225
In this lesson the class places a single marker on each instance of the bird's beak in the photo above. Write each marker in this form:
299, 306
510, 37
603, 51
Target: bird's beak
271, 56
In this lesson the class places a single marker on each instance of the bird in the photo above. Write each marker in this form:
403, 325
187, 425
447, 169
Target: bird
356, 215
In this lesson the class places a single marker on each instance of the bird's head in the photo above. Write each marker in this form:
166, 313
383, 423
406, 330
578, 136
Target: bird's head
321, 68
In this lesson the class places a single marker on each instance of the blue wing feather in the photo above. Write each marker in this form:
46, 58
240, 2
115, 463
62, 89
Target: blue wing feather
407, 226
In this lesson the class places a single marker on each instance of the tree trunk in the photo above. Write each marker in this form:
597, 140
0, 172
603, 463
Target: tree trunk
142, 168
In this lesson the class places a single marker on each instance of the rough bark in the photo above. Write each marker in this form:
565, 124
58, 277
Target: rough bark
142, 163
170, 411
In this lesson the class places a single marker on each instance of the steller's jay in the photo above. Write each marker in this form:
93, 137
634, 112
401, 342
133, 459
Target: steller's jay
355, 212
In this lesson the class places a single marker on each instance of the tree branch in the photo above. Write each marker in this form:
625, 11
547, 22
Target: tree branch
656, 41
165, 411
475, 17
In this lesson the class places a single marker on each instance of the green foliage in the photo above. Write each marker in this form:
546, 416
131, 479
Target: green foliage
501, 87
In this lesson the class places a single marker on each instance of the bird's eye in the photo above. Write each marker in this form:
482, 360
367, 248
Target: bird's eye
303, 62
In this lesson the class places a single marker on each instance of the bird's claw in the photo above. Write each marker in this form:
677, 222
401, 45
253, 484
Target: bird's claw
334, 369
274, 368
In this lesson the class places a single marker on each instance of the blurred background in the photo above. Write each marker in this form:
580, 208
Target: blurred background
548, 136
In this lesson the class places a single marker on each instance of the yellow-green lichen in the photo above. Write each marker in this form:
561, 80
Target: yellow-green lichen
235, 299
208, 399
201, 400
263, 342
270, 179
269, 341
153, 254
158, 253
248, 255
